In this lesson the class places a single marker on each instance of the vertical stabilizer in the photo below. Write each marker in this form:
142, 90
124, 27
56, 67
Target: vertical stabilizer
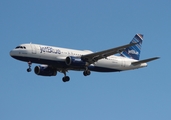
134, 51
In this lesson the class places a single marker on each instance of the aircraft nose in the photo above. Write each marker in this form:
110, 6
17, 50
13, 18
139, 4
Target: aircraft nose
12, 53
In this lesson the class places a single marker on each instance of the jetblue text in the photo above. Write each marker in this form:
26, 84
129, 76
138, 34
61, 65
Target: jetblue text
49, 50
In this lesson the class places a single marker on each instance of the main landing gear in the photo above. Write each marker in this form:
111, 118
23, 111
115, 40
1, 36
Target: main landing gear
29, 64
65, 78
86, 72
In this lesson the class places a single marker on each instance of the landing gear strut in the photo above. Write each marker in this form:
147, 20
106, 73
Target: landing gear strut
29, 69
65, 78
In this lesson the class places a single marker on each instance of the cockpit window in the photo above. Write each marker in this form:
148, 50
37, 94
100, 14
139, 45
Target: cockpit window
17, 47
21, 47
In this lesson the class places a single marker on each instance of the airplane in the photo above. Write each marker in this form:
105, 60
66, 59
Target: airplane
57, 59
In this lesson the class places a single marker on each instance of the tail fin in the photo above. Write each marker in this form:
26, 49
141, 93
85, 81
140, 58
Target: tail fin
134, 51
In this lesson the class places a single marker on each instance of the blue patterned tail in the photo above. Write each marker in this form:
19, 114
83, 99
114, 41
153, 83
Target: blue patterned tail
134, 51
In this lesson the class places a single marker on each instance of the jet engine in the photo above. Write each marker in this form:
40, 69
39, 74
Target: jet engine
45, 70
74, 61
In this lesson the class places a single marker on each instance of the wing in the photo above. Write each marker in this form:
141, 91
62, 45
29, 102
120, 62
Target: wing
93, 57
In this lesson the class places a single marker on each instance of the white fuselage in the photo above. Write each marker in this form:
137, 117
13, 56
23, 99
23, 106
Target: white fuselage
56, 56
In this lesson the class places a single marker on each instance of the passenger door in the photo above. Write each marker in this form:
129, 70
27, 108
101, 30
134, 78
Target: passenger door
33, 47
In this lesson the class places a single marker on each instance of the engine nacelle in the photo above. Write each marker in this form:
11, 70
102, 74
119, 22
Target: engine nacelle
74, 61
44, 70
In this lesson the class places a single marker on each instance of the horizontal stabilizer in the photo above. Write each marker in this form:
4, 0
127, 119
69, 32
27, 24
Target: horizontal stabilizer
144, 61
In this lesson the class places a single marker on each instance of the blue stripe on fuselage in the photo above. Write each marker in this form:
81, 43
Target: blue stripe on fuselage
62, 64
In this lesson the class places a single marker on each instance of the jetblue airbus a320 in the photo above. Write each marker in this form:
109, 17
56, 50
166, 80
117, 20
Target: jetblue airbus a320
57, 59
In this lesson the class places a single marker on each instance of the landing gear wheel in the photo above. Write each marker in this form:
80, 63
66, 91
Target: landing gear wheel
86, 72
29, 70
65, 79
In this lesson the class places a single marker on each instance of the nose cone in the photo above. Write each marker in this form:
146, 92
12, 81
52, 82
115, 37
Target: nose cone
12, 53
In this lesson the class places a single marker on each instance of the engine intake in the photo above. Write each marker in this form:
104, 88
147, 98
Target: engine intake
74, 61
45, 70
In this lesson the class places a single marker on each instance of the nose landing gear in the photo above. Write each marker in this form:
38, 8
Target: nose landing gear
29, 64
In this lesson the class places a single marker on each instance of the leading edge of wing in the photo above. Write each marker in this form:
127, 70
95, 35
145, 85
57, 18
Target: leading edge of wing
93, 57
